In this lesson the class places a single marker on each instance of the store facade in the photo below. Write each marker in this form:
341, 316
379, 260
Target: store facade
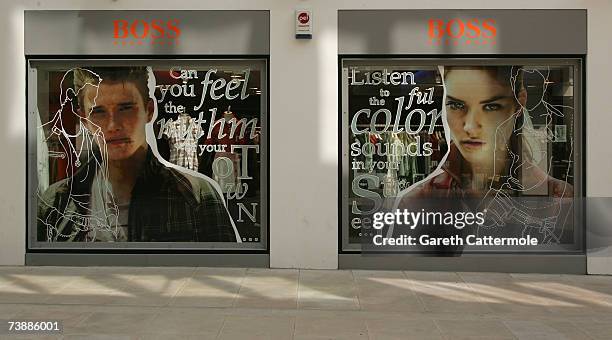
364, 117
463, 146
147, 137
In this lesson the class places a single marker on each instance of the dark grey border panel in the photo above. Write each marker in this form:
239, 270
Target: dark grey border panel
523, 31
205, 32
149, 260
542, 264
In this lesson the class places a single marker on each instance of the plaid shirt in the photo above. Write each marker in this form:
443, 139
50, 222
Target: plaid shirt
183, 137
166, 206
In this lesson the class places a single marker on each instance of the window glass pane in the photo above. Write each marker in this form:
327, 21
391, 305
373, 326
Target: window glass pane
148, 154
460, 156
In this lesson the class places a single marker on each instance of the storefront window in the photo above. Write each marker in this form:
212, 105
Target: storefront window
148, 154
462, 155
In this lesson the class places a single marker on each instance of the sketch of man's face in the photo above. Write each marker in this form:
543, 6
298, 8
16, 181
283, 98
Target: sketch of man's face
121, 113
478, 109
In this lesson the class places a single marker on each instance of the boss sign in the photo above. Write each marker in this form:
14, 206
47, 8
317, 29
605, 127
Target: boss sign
458, 31
139, 32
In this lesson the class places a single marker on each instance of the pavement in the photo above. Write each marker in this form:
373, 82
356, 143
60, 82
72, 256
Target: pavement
238, 303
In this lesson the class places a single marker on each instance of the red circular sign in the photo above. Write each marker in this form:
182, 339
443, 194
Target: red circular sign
303, 18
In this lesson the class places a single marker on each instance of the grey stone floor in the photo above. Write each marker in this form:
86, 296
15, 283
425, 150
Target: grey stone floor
236, 303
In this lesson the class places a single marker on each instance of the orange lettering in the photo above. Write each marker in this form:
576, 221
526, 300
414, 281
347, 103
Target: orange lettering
157, 26
120, 25
436, 26
489, 25
449, 28
173, 26
134, 28
472, 25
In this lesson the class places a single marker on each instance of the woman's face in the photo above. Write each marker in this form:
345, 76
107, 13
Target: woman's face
479, 111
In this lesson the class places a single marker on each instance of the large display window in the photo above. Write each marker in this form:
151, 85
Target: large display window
147, 154
451, 156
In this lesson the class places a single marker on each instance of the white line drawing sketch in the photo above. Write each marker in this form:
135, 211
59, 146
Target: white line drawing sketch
545, 220
90, 148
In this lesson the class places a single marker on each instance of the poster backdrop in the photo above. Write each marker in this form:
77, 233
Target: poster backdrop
167, 152
449, 158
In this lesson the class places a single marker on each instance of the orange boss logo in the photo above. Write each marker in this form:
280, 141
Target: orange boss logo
458, 31
141, 32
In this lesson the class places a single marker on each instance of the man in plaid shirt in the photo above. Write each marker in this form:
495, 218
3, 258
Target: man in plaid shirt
150, 201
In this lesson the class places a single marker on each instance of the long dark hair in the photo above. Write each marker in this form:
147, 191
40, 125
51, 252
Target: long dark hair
512, 77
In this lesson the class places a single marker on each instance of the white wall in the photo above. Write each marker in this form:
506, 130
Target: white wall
303, 117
